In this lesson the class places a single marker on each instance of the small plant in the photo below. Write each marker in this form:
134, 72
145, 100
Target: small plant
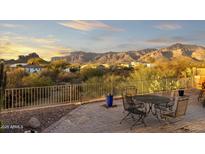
203, 85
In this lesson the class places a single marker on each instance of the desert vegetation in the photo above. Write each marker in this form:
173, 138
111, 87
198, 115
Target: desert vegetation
54, 73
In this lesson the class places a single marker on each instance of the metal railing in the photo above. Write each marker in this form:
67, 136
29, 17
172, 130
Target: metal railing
37, 96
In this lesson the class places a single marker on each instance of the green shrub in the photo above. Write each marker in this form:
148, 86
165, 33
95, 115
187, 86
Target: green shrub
35, 80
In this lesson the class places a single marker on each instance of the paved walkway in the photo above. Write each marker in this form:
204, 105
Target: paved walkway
95, 118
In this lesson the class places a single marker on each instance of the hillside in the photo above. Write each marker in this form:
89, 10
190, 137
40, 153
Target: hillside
108, 57
24, 58
184, 51
78, 57
192, 52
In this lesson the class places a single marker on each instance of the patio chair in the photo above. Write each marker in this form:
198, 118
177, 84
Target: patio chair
130, 90
172, 95
181, 108
169, 105
134, 108
201, 95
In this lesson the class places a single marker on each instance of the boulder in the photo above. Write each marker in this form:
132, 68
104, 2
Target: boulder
34, 123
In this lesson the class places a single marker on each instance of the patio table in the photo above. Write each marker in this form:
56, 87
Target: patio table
152, 100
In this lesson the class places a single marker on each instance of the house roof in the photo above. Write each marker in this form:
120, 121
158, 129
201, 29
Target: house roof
18, 64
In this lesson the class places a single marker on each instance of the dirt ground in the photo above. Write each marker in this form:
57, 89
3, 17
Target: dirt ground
17, 122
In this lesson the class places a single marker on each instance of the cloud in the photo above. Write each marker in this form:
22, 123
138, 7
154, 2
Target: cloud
89, 25
6, 25
164, 41
12, 45
168, 26
168, 39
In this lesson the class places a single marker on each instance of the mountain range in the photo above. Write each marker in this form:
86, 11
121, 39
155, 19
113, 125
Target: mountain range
178, 50
23, 59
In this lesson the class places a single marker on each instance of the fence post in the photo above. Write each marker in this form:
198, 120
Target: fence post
166, 87
1, 99
112, 88
192, 81
142, 86
1, 104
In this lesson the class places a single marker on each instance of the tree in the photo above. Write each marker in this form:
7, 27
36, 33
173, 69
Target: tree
58, 65
87, 73
54, 69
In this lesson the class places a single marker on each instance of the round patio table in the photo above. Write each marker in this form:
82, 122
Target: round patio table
152, 100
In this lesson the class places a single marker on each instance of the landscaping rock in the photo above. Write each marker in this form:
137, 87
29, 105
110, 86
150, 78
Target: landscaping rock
34, 123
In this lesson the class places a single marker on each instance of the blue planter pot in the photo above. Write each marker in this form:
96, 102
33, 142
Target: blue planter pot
109, 100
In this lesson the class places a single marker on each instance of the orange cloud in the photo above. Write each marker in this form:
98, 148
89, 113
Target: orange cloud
88, 25
11, 46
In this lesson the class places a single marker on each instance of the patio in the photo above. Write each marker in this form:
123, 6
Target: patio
95, 118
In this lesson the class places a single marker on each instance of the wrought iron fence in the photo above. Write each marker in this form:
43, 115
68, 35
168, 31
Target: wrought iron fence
36, 96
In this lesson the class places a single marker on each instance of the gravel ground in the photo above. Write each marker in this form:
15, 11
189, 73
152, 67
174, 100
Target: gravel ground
18, 121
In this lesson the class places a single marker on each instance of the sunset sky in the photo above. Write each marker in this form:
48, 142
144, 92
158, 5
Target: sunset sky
58, 38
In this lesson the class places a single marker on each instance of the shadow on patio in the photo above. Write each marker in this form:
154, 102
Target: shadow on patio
95, 118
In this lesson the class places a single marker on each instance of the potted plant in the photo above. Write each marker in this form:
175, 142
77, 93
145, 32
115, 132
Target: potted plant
109, 99
181, 91
180, 88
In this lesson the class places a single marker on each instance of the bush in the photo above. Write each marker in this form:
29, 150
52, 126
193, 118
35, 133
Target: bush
88, 73
66, 77
14, 77
34, 80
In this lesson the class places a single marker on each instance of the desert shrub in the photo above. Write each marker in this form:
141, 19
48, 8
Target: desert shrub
67, 77
87, 73
53, 75
58, 65
14, 77
34, 80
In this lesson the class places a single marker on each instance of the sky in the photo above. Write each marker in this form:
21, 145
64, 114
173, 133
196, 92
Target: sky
50, 38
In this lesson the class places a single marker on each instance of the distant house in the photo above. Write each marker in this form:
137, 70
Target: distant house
150, 65
17, 65
67, 70
124, 65
32, 68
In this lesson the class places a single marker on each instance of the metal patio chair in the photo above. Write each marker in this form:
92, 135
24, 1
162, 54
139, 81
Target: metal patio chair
134, 108
201, 95
181, 108
169, 105
130, 90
